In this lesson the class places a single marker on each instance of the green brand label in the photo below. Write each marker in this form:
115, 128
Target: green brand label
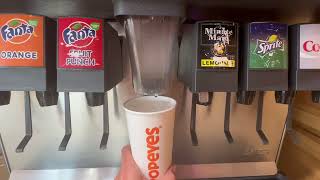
268, 46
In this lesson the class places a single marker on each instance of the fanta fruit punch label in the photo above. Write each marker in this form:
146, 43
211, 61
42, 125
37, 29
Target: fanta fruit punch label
80, 43
268, 46
22, 40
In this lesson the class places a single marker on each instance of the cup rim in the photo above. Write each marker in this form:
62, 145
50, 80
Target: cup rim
169, 99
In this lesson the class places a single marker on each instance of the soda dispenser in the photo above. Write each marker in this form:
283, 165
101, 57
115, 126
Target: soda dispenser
208, 62
264, 65
89, 60
27, 62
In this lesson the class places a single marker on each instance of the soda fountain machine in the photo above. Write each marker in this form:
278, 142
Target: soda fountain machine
88, 61
208, 62
264, 65
27, 62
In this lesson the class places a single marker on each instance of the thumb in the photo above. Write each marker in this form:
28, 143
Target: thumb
169, 175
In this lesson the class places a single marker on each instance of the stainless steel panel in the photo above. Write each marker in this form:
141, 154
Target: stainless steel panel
182, 172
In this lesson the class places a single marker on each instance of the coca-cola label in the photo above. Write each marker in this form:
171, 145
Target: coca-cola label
80, 43
310, 46
218, 45
268, 46
21, 41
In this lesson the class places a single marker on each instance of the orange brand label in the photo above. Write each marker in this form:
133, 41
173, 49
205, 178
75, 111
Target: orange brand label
153, 156
21, 41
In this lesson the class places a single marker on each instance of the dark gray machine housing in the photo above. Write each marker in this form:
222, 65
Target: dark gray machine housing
300, 79
203, 80
258, 80
149, 8
34, 78
83, 80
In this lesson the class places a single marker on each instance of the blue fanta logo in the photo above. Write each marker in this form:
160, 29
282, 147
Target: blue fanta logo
79, 34
16, 31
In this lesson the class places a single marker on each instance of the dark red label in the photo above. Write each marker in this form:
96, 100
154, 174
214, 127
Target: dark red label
80, 43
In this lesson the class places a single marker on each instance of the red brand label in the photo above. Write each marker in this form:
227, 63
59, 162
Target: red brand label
153, 156
310, 46
80, 43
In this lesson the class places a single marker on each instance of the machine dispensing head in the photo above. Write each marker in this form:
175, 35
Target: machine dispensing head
28, 55
304, 65
264, 65
89, 60
304, 55
208, 62
152, 34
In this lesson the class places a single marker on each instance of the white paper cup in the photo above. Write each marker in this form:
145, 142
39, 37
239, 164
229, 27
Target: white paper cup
150, 124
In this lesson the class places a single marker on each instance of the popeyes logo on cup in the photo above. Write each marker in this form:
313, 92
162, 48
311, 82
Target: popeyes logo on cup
18, 31
80, 34
153, 155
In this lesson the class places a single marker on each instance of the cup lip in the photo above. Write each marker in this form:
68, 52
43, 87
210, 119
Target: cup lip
173, 101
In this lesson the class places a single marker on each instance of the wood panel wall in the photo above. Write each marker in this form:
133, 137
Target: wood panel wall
300, 157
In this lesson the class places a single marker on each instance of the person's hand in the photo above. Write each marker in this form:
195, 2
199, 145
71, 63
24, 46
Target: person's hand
130, 171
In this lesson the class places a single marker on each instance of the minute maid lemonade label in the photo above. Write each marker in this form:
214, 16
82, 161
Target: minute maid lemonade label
268, 46
218, 46
21, 40
80, 43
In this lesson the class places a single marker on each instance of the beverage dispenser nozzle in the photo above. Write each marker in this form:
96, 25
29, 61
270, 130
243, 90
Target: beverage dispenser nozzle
91, 64
5, 97
28, 62
98, 99
209, 63
263, 69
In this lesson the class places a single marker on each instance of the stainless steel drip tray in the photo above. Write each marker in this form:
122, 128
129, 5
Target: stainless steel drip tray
195, 171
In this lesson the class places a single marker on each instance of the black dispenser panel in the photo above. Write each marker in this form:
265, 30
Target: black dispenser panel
209, 56
27, 53
264, 57
305, 57
89, 55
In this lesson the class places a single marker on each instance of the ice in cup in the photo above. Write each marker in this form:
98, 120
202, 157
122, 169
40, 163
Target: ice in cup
150, 121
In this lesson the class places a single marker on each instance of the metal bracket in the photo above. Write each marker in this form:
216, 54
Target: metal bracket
68, 128
105, 136
28, 123
259, 130
227, 118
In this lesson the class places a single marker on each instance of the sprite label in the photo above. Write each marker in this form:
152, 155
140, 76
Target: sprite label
268, 46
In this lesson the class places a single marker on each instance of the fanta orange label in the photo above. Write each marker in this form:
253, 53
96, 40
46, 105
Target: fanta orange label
22, 40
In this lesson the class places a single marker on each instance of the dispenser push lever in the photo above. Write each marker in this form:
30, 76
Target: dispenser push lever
105, 136
193, 132
28, 123
259, 119
68, 128
195, 101
227, 118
